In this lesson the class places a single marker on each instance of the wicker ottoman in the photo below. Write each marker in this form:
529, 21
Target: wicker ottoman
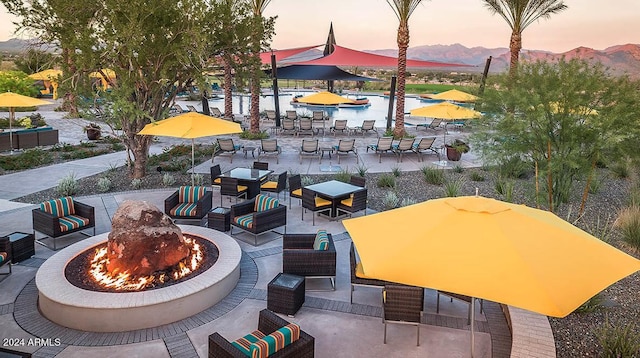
285, 293
219, 219
22, 246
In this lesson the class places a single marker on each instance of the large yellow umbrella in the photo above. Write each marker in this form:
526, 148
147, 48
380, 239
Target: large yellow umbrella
445, 111
489, 249
191, 125
455, 95
324, 98
104, 79
12, 100
49, 75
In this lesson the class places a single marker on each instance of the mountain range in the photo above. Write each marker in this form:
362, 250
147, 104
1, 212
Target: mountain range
620, 59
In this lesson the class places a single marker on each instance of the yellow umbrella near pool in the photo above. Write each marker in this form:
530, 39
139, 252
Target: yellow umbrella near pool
489, 249
324, 98
446, 111
12, 100
191, 125
455, 95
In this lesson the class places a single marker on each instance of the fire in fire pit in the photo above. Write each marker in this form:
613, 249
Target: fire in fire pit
145, 250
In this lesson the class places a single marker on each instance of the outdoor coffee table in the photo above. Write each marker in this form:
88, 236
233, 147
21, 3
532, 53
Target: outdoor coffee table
251, 150
285, 293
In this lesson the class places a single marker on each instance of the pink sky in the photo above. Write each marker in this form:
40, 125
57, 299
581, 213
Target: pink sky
371, 24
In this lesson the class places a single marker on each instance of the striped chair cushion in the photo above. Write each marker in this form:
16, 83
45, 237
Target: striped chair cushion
245, 342
190, 194
59, 207
244, 220
321, 242
184, 209
264, 203
275, 341
3, 257
71, 222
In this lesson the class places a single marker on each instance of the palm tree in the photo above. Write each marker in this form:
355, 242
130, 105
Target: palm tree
403, 10
258, 7
519, 14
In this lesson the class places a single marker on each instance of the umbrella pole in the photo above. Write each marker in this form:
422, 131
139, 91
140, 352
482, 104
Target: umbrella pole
193, 161
12, 114
473, 319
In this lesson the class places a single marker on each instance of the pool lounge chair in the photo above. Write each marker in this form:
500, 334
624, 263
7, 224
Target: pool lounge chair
226, 146
384, 145
425, 145
344, 147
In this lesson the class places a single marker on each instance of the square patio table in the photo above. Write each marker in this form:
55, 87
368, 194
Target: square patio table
334, 190
251, 178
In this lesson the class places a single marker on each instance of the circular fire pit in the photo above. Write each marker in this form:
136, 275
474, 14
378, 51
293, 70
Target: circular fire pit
73, 307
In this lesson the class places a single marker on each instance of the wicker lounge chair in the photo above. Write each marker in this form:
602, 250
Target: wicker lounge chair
268, 322
384, 145
60, 217
300, 258
357, 278
257, 222
402, 305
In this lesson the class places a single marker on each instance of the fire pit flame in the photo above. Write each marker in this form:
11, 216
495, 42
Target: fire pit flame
125, 282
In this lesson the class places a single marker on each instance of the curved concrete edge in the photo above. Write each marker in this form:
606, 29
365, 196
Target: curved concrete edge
531, 334
72, 307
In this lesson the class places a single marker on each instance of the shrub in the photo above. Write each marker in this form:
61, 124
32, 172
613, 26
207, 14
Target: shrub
118, 147
595, 184
136, 183
104, 184
618, 341
28, 159
433, 175
396, 171
458, 169
198, 179
67, 186
591, 305
628, 222
344, 175
386, 181
168, 179
253, 136
514, 168
306, 180
620, 170
475, 176
390, 200
408, 201
362, 170
453, 187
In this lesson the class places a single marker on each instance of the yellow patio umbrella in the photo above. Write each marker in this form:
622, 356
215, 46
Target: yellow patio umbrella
324, 98
49, 75
191, 125
485, 248
110, 74
455, 95
12, 100
445, 111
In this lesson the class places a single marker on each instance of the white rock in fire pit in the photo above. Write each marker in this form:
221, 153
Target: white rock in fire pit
143, 240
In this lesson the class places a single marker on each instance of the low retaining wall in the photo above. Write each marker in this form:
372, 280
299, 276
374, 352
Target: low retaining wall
531, 334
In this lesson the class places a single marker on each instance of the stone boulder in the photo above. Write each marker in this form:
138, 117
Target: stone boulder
143, 240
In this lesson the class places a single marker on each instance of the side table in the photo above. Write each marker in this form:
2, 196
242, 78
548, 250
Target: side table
219, 219
22, 246
285, 293
251, 150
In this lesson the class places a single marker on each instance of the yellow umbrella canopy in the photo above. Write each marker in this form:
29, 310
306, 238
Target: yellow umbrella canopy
489, 249
12, 100
49, 75
324, 98
445, 111
191, 125
455, 95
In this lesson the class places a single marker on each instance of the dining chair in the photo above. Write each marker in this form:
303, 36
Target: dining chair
230, 187
215, 175
261, 165
276, 186
295, 188
402, 305
314, 203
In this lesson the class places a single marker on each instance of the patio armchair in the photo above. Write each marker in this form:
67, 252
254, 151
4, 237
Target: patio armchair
276, 186
384, 145
425, 145
270, 147
312, 202
60, 217
368, 125
188, 203
258, 216
230, 187
404, 146
310, 148
354, 203
339, 125
305, 126
216, 172
295, 188
288, 126
268, 323
358, 181
301, 256
358, 278
226, 146
5, 254
344, 147
402, 305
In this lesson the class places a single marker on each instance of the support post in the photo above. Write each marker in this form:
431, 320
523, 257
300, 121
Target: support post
392, 97
276, 97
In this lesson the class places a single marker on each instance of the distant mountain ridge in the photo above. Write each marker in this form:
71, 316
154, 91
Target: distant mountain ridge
620, 59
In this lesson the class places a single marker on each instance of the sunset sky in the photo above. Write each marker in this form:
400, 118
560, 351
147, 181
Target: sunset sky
371, 24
